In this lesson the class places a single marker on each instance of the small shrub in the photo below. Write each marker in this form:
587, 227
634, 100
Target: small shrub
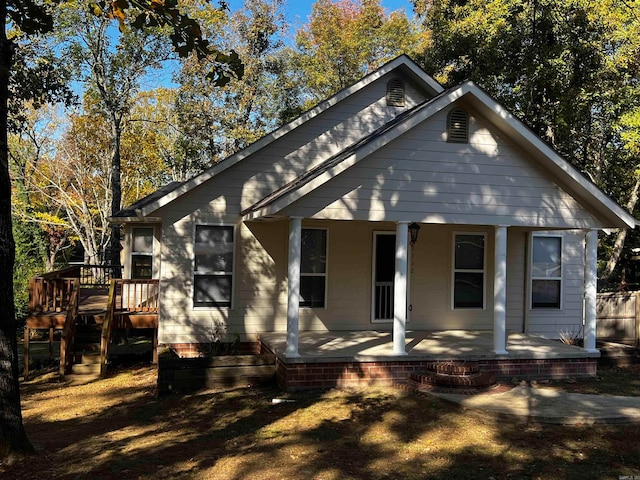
220, 343
571, 336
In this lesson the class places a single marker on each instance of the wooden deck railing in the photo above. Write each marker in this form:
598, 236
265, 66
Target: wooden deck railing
68, 334
51, 295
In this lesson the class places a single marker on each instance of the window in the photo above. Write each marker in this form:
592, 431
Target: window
313, 268
213, 273
458, 126
395, 93
546, 271
468, 270
142, 252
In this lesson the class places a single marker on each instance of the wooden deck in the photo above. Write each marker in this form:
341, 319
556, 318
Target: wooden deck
57, 302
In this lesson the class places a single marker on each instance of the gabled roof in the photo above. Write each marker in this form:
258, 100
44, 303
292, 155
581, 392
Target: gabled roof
545, 155
171, 192
134, 211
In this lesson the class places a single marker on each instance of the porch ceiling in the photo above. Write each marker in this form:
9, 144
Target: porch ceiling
368, 346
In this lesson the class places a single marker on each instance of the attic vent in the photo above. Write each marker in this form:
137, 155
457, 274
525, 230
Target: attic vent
395, 93
458, 126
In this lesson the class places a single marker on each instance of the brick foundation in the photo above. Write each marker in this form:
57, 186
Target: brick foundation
192, 350
301, 376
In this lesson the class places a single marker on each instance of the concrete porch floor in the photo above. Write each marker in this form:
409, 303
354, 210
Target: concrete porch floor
371, 346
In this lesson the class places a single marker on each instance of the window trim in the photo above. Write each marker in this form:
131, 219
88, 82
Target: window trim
231, 305
532, 277
132, 252
326, 269
454, 270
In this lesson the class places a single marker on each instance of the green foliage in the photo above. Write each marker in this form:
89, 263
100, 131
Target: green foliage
185, 32
569, 69
30, 252
345, 40
212, 123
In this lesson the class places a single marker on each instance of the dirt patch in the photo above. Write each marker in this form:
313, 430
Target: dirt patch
118, 428
622, 381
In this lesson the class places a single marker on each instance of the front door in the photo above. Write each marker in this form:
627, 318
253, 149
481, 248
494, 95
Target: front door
384, 268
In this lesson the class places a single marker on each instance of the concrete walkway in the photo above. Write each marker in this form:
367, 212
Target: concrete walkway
544, 405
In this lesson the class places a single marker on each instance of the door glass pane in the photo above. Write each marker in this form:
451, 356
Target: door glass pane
141, 266
469, 254
385, 258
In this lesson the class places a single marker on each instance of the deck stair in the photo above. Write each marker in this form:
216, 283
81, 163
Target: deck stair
452, 375
86, 348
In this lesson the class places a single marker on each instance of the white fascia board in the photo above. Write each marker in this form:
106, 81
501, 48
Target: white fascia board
305, 188
223, 165
139, 219
550, 158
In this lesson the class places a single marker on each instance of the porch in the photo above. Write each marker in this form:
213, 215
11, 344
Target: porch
359, 358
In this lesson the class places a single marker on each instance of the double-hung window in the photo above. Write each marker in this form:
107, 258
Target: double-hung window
142, 252
546, 271
213, 270
469, 270
313, 268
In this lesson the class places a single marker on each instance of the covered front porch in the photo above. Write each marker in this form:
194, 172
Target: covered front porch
358, 358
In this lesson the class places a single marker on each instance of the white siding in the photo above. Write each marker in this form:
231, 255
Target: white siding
421, 177
261, 250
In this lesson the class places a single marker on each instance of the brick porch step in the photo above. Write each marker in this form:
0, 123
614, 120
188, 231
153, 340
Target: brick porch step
465, 375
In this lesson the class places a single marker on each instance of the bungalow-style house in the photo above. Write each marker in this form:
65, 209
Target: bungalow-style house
393, 224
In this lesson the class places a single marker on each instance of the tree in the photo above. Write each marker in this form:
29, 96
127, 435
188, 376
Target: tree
215, 123
345, 40
32, 142
31, 18
112, 78
566, 68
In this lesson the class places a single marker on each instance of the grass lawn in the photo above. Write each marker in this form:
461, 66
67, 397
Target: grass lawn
117, 428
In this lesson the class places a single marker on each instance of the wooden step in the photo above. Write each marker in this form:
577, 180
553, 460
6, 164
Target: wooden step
85, 368
90, 358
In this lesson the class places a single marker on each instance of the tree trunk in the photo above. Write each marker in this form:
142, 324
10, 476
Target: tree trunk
116, 199
13, 438
622, 235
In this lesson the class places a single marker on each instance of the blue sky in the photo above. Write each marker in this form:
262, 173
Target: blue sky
298, 11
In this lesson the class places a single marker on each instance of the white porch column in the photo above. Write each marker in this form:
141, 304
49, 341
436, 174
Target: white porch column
400, 289
500, 292
590, 290
293, 283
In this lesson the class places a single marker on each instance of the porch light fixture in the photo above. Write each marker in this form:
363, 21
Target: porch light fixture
414, 228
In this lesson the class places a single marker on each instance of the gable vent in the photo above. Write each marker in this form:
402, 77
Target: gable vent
395, 93
458, 127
